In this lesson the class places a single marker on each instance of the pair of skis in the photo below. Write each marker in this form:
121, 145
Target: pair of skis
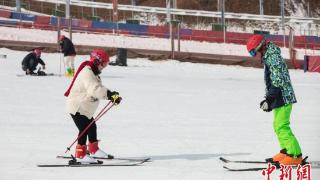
243, 165
239, 165
36, 75
102, 161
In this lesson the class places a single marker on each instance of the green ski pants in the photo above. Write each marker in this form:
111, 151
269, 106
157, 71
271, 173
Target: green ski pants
281, 126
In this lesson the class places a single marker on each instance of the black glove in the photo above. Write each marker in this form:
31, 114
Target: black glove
114, 97
265, 105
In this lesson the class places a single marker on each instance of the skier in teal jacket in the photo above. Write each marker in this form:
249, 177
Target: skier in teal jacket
279, 98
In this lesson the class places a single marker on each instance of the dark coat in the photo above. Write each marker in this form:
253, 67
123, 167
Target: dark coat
31, 62
67, 47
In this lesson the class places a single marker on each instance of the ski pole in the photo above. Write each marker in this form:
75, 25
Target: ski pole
101, 113
60, 65
64, 63
103, 110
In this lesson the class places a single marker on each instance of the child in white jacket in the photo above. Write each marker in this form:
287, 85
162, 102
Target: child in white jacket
83, 97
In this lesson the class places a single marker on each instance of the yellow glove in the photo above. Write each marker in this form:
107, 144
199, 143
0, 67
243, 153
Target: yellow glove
114, 97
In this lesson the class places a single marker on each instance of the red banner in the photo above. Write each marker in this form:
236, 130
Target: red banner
314, 64
5, 14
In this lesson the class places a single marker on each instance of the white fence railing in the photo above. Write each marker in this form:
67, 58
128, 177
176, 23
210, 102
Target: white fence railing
186, 12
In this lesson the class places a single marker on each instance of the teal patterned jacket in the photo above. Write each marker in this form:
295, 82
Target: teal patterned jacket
277, 78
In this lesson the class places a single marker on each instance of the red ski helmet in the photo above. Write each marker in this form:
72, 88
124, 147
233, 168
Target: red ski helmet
99, 56
254, 43
37, 52
61, 37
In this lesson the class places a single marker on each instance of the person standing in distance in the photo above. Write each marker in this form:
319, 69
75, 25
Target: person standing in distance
83, 97
68, 50
279, 98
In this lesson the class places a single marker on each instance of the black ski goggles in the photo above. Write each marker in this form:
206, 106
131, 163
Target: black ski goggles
253, 53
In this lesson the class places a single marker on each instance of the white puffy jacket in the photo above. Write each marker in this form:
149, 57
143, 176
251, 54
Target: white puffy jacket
85, 93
